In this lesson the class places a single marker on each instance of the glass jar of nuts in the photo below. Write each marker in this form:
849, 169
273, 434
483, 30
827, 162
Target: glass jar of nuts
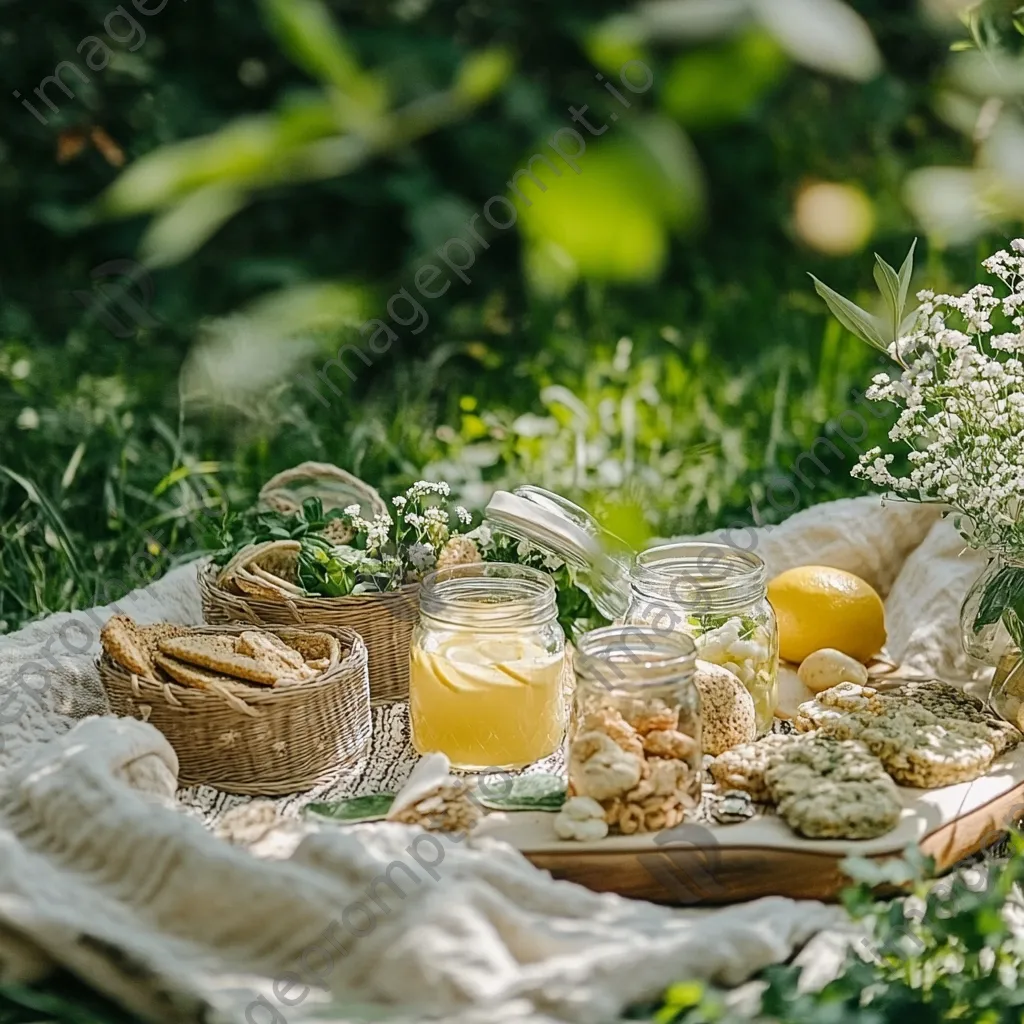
635, 739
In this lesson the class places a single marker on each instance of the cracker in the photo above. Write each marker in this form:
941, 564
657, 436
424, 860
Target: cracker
945, 702
132, 646
269, 648
254, 587
273, 580
843, 810
836, 701
315, 646
206, 651
119, 637
192, 677
948, 701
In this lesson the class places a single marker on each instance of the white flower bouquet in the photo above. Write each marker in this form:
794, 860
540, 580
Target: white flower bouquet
959, 436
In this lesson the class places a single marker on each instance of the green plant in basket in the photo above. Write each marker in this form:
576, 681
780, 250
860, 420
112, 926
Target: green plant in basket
341, 552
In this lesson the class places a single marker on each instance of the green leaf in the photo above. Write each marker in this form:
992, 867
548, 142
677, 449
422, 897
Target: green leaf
907, 323
905, 274
889, 285
373, 807
482, 74
858, 321
540, 792
189, 223
716, 85
1005, 591
1013, 619
310, 36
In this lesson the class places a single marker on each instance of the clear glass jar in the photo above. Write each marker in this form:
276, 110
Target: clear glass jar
635, 738
991, 634
718, 595
486, 669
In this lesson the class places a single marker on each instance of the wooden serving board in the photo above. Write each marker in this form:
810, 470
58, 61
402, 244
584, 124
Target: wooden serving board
709, 864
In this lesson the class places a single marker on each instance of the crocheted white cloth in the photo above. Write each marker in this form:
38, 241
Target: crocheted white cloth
187, 905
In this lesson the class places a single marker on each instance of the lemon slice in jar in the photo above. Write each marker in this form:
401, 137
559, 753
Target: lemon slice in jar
432, 667
496, 663
476, 665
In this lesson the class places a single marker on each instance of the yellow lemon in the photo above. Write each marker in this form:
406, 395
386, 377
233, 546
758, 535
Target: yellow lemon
821, 607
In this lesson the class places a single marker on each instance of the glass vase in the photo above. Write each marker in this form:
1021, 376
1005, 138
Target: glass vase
991, 630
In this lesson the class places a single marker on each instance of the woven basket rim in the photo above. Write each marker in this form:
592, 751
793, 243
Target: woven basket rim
273, 491
352, 643
209, 577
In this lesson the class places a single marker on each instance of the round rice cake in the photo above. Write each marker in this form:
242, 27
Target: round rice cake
836, 701
916, 747
832, 789
744, 767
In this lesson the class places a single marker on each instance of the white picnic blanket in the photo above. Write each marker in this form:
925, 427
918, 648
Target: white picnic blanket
108, 871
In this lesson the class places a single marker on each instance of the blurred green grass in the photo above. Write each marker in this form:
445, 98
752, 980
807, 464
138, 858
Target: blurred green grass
672, 405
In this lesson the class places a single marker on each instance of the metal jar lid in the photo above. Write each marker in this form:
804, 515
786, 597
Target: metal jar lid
556, 526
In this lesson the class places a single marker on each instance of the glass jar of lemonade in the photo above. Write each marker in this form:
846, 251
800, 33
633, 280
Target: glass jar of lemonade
718, 595
486, 667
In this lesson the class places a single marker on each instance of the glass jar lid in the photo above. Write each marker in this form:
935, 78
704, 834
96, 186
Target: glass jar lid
557, 526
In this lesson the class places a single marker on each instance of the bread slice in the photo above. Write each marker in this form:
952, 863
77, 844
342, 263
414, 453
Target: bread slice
207, 652
192, 677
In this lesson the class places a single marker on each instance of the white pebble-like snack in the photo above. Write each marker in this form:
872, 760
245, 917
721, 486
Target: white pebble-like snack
749, 658
723, 646
581, 818
826, 668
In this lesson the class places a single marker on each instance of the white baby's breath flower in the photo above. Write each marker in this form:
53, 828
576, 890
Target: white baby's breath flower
482, 535
378, 533
961, 392
421, 556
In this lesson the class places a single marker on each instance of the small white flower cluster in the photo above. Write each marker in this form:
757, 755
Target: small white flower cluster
411, 543
377, 530
961, 390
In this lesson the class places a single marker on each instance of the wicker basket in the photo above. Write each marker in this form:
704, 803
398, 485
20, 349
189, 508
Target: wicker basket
255, 740
385, 621
335, 487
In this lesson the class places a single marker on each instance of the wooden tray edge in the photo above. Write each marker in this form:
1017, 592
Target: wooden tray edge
688, 875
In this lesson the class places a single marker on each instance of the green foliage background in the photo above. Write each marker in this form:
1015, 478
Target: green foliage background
669, 402
645, 340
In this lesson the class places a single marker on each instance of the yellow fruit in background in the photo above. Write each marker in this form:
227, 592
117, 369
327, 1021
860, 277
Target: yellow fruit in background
822, 607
